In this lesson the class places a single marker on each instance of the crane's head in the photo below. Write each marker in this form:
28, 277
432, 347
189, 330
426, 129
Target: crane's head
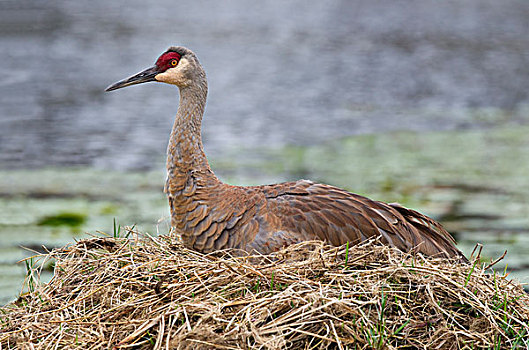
178, 66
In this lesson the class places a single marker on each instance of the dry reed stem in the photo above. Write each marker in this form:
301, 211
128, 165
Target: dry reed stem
153, 293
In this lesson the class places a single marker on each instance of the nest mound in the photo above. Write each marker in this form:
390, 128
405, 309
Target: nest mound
153, 293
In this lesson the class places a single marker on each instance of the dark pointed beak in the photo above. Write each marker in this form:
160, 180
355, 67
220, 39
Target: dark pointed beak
142, 77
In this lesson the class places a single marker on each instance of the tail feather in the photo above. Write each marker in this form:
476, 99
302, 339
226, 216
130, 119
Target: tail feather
434, 233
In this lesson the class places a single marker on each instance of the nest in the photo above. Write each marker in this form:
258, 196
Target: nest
143, 292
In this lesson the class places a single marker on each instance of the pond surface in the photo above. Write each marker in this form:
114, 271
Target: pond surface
421, 102
280, 73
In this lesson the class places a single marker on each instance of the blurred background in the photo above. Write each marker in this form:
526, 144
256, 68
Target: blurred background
421, 102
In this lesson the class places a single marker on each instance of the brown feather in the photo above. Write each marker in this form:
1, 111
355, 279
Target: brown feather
211, 215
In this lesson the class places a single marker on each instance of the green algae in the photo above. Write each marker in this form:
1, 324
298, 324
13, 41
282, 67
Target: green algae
63, 219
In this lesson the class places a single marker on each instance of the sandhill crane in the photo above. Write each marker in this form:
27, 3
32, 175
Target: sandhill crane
211, 215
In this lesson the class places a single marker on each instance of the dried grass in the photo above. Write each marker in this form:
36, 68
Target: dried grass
152, 293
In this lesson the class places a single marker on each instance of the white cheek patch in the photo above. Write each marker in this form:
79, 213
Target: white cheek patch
173, 75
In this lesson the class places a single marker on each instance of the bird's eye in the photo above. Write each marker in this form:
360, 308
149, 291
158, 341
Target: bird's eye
174, 63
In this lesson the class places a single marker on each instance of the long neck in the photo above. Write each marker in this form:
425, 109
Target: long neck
185, 154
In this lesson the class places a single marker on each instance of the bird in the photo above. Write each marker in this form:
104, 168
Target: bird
210, 215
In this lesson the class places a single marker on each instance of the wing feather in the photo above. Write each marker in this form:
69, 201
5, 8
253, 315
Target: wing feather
337, 216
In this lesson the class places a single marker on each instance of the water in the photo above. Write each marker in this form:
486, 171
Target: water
290, 82
280, 73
